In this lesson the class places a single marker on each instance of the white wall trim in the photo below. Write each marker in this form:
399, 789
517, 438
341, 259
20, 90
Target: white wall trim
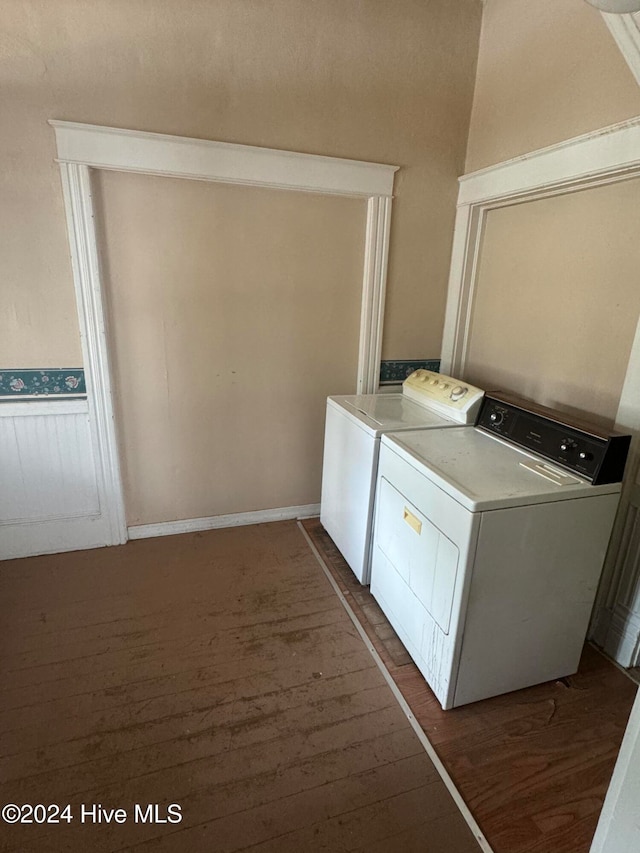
373, 293
626, 31
33, 408
608, 151
81, 147
76, 185
604, 156
214, 522
206, 160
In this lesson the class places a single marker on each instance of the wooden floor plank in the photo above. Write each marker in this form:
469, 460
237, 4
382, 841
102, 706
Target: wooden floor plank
434, 836
218, 671
212, 648
147, 630
157, 723
295, 820
363, 825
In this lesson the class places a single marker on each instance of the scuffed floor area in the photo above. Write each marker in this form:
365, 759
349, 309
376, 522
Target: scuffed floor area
217, 671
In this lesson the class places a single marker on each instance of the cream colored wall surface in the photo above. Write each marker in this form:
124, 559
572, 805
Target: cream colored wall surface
365, 79
557, 299
233, 313
547, 71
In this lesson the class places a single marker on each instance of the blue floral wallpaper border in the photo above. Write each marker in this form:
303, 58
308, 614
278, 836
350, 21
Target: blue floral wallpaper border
33, 384
69, 382
397, 371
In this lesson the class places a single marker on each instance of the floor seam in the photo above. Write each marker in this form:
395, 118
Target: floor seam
402, 702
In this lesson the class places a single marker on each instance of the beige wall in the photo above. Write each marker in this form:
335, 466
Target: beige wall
547, 71
234, 312
365, 79
557, 299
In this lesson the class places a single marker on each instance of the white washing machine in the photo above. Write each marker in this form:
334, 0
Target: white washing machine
353, 428
489, 542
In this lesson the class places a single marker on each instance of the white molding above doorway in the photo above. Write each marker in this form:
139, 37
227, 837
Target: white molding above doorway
604, 156
82, 147
206, 160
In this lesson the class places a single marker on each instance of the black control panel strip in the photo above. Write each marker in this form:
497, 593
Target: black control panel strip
575, 445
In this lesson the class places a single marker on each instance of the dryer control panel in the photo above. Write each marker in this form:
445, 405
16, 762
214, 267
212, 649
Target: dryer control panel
574, 444
452, 398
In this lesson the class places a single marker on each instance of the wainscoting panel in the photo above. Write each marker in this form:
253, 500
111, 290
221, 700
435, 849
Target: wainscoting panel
49, 495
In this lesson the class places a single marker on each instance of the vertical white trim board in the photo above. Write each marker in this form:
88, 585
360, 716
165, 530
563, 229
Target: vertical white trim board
82, 147
626, 31
76, 186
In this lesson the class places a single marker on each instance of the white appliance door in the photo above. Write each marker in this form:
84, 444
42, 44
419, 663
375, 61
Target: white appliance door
421, 544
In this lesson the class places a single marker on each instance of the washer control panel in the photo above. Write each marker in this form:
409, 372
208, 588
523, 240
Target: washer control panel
450, 397
579, 446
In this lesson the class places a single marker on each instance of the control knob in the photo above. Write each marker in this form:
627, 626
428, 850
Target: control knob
567, 444
585, 455
458, 393
496, 418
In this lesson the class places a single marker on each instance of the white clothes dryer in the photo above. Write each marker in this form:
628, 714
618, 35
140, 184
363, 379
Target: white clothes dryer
489, 543
354, 425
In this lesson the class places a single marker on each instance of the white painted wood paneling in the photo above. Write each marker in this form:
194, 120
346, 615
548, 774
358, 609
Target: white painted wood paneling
49, 499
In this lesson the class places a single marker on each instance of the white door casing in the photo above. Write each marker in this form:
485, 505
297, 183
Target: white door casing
81, 148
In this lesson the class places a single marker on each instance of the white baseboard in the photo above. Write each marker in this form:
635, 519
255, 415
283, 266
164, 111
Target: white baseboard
53, 536
192, 525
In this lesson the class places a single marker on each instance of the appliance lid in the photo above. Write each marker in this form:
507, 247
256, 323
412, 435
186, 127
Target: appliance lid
483, 472
378, 413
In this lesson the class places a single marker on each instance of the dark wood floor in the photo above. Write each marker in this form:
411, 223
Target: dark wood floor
533, 766
217, 671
